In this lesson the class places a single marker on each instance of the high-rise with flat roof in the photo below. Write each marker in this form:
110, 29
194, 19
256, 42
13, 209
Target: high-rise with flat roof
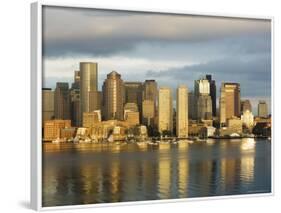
133, 93
262, 109
245, 105
48, 111
149, 102
182, 112
213, 93
230, 98
165, 110
113, 97
88, 83
202, 100
75, 107
62, 101
191, 109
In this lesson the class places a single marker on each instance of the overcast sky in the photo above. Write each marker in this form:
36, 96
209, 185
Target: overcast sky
172, 49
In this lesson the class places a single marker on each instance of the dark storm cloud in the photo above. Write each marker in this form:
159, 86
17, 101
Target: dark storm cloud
72, 31
231, 49
252, 73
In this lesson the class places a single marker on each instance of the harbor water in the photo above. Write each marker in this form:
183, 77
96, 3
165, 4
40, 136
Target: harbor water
104, 173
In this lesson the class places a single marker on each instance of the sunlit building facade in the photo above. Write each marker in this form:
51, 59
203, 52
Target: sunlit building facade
88, 83
262, 109
48, 111
113, 97
62, 101
165, 110
182, 112
229, 101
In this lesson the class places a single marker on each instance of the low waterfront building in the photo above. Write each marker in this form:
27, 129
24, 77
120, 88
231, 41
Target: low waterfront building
82, 132
207, 131
68, 133
194, 127
90, 118
52, 128
132, 117
234, 125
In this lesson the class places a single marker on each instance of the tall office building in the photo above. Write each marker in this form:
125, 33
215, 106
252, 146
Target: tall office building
113, 96
191, 113
204, 107
213, 93
95, 98
131, 114
62, 101
148, 113
245, 105
202, 100
88, 83
76, 83
262, 109
222, 106
165, 110
133, 93
48, 111
75, 114
182, 112
230, 100
75, 107
201, 87
150, 91
149, 102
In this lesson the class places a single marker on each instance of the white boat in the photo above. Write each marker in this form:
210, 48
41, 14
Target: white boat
110, 138
141, 144
153, 143
59, 140
76, 140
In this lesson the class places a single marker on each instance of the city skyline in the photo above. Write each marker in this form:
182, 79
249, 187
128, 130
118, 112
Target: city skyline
191, 49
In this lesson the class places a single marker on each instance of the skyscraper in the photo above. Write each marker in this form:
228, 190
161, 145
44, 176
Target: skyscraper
150, 91
202, 100
88, 83
76, 83
113, 96
75, 113
75, 107
182, 112
149, 102
222, 106
165, 110
47, 104
191, 100
213, 93
230, 100
148, 113
262, 109
62, 101
133, 93
204, 107
95, 98
246, 105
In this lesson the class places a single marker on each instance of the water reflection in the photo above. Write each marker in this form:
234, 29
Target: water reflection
96, 173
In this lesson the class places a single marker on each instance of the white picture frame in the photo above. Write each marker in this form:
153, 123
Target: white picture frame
36, 105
